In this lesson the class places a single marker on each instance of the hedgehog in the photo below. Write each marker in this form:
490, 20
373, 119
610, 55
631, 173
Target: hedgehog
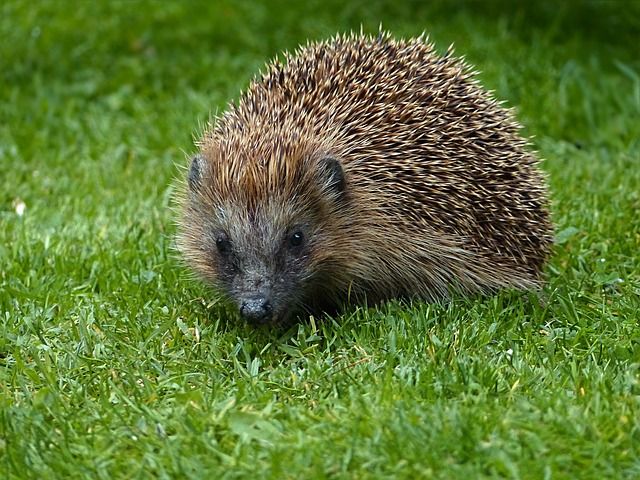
361, 169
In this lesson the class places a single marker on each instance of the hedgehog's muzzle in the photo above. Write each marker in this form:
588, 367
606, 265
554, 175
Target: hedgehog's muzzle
256, 309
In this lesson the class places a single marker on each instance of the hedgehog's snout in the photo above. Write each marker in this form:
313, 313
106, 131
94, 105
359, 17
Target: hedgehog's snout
256, 309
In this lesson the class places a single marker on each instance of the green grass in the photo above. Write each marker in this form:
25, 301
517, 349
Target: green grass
115, 364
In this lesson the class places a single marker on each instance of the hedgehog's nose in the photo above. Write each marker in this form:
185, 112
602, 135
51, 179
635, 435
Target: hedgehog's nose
256, 309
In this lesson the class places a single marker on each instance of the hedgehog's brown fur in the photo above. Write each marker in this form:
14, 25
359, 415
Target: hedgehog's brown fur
433, 189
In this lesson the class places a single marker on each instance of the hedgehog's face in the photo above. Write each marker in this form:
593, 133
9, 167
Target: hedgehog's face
263, 240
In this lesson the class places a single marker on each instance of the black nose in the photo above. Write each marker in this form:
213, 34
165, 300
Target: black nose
256, 309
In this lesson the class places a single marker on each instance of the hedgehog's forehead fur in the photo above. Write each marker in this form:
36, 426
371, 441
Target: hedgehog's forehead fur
275, 164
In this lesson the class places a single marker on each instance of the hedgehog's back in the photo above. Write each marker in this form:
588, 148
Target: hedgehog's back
427, 153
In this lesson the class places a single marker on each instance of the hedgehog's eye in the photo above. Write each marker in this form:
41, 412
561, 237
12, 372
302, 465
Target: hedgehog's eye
223, 244
296, 239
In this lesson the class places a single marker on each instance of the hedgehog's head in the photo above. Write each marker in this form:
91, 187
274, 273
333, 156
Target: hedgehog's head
258, 227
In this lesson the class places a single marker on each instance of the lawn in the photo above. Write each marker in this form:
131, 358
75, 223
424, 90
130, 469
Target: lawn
116, 363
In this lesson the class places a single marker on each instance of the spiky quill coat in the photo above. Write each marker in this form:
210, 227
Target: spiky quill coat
404, 177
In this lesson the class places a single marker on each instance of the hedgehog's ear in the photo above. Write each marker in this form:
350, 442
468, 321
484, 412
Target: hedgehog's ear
195, 172
333, 174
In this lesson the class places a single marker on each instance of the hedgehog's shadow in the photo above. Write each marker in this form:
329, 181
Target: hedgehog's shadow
329, 321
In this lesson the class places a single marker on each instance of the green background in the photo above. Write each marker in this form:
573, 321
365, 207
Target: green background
114, 363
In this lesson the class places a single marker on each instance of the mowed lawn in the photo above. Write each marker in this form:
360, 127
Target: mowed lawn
116, 363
